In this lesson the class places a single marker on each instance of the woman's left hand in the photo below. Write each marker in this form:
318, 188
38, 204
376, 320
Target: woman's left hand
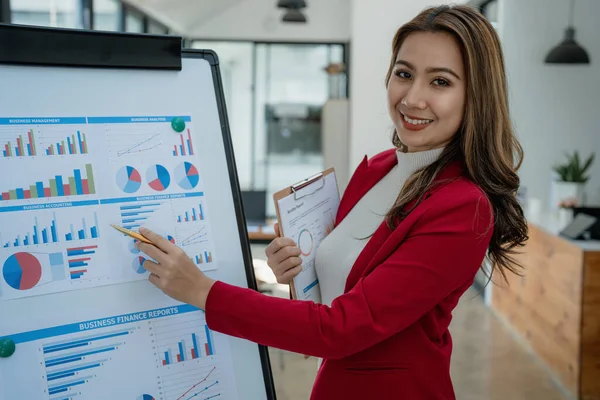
174, 272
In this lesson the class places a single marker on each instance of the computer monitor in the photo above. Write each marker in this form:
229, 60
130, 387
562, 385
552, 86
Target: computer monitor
255, 206
593, 229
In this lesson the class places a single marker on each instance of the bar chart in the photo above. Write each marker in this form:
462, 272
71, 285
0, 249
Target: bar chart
24, 146
192, 215
71, 364
185, 147
133, 217
77, 184
79, 259
50, 233
185, 338
204, 258
72, 145
87, 231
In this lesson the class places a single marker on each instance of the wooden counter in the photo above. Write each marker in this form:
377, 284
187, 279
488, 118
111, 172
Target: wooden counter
261, 234
555, 307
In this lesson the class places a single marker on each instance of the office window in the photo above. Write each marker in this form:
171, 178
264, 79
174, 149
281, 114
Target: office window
106, 15
291, 89
134, 22
156, 29
274, 95
235, 62
55, 13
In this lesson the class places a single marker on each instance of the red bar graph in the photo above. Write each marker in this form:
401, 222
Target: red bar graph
22, 149
185, 147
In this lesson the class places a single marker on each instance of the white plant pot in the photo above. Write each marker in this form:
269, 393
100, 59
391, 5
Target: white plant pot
569, 190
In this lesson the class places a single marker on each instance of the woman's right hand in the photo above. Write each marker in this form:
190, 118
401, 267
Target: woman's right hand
283, 257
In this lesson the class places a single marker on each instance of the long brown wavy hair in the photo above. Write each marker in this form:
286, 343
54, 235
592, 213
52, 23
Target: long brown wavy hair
485, 142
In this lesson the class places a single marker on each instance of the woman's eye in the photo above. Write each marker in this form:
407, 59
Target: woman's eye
441, 82
403, 74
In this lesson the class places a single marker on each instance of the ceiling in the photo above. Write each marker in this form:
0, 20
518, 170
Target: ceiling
182, 16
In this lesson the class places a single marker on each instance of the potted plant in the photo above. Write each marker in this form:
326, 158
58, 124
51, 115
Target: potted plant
572, 176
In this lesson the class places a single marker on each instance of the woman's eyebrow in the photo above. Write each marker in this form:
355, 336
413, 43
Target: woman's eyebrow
430, 69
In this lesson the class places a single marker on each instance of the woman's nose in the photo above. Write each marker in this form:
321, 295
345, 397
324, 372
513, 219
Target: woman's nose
414, 99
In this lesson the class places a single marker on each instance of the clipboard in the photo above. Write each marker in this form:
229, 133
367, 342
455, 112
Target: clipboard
306, 213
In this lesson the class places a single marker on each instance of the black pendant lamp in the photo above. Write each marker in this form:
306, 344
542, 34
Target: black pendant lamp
291, 4
568, 52
293, 15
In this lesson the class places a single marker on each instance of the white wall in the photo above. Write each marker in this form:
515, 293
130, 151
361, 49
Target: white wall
554, 108
373, 26
260, 20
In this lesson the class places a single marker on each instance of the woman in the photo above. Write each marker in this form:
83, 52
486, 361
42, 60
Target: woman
413, 227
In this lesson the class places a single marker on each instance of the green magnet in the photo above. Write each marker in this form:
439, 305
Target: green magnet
178, 124
7, 348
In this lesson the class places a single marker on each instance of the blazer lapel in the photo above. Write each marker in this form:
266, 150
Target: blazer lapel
385, 241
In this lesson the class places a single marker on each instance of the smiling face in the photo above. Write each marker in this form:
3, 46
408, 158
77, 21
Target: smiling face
427, 91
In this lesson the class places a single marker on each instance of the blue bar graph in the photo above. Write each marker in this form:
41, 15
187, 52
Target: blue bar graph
78, 356
49, 235
82, 342
209, 340
195, 343
195, 214
39, 234
64, 387
80, 251
182, 350
134, 216
61, 373
72, 363
84, 233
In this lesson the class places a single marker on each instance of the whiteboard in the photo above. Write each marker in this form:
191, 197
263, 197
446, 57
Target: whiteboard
83, 148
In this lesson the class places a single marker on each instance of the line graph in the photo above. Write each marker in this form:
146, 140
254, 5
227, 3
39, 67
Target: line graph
137, 140
186, 385
199, 383
140, 147
197, 237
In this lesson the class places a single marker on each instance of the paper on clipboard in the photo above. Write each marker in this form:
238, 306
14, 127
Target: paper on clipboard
306, 213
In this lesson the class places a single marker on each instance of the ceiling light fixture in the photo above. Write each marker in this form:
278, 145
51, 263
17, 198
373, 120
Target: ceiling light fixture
291, 4
293, 15
568, 51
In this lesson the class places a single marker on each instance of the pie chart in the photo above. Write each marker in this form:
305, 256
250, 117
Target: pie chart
159, 177
129, 179
187, 176
132, 247
138, 265
22, 271
145, 397
305, 242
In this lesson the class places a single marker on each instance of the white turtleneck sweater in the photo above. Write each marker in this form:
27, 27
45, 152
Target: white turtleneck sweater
340, 249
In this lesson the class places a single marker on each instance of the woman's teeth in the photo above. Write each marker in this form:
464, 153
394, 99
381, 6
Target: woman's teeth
417, 121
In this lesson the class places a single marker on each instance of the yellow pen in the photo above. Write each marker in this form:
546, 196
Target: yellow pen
133, 234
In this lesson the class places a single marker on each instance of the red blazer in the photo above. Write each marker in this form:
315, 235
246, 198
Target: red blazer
387, 336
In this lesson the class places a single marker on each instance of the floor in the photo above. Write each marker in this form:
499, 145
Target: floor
488, 362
